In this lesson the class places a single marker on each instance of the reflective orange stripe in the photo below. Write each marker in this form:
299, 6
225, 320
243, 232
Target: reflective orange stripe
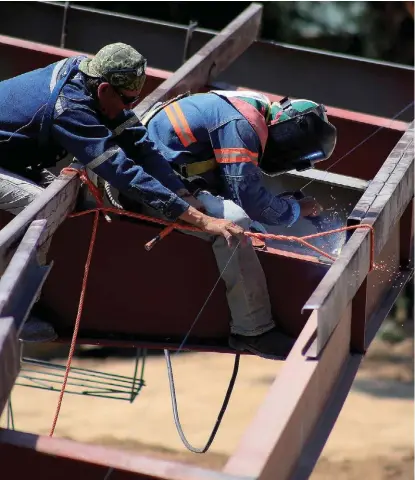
177, 129
179, 123
183, 121
236, 155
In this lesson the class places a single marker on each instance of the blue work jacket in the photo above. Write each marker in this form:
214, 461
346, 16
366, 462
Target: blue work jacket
204, 126
49, 112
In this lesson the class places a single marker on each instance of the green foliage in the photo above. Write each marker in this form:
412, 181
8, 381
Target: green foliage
377, 30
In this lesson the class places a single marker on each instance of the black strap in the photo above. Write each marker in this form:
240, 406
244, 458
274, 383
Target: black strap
47, 119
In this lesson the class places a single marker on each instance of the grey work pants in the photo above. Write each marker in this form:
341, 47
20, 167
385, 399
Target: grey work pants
246, 287
16, 193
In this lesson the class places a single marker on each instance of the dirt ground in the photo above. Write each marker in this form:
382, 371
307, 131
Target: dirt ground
372, 439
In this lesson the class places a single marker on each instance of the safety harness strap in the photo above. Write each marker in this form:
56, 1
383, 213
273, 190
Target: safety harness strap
191, 169
160, 106
196, 168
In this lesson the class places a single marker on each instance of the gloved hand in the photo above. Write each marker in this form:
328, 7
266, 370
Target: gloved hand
309, 207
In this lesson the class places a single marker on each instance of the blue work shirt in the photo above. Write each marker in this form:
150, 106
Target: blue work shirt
204, 126
118, 150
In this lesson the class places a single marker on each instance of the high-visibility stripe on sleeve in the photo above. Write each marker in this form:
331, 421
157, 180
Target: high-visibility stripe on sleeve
235, 155
179, 123
97, 161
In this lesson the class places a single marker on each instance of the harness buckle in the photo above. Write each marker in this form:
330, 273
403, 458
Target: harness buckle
182, 168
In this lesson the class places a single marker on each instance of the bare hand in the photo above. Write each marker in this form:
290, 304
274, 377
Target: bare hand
214, 226
309, 207
225, 228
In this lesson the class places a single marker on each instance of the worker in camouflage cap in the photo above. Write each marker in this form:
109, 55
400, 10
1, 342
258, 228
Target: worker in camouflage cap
119, 64
88, 117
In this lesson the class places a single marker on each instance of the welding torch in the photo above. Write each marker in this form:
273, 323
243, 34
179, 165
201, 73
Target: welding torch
317, 221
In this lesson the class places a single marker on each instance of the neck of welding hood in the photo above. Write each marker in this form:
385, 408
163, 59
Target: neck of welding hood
276, 161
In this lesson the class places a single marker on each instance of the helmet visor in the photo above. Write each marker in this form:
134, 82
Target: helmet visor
298, 143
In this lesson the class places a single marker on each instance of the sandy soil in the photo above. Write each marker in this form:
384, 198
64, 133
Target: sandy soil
372, 439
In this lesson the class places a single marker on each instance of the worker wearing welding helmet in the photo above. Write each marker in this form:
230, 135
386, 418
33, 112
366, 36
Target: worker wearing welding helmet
299, 136
224, 141
81, 108
220, 144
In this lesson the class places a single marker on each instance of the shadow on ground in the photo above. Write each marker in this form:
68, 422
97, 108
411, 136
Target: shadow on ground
384, 388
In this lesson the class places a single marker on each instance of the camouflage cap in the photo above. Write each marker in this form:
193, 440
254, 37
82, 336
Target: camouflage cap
119, 64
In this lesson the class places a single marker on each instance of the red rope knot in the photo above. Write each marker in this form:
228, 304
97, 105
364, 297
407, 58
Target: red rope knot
83, 175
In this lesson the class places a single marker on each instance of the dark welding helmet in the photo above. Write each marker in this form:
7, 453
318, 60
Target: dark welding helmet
299, 136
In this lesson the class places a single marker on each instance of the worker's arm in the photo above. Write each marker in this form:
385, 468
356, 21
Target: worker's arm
81, 133
133, 137
236, 147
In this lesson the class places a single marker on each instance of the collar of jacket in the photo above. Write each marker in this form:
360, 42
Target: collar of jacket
64, 66
255, 107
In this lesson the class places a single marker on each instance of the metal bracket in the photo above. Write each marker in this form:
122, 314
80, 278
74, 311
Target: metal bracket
24, 277
189, 34
64, 30
19, 286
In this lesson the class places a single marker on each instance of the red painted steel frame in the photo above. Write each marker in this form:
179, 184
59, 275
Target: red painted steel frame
274, 444
300, 398
352, 127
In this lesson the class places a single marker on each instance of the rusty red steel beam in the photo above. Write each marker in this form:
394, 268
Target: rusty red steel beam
304, 402
211, 59
42, 55
371, 137
59, 197
19, 285
273, 442
9, 359
54, 204
374, 288
353, 128
364, 118
37, 55
195, 73
387, 204
67, 459
387, 207
384, 176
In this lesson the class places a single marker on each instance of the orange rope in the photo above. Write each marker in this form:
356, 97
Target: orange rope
78, 318
170, 227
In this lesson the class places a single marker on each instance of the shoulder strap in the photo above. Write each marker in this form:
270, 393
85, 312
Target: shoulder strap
251, 105
159, 106
55, 88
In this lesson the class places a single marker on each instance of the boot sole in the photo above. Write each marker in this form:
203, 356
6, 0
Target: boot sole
241, 346
39, 340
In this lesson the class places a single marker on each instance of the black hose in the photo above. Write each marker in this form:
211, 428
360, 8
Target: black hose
221, 413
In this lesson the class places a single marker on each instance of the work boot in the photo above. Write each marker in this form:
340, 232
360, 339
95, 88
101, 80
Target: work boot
273, 344
37, 331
